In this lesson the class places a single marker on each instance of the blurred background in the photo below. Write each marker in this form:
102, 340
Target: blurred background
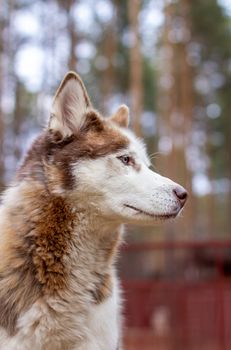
170, 61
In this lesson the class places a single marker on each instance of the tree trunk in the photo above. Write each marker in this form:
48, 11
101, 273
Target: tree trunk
18, 115
2, 167
136, 74
67, 5
72, 61
176, 109
108, 76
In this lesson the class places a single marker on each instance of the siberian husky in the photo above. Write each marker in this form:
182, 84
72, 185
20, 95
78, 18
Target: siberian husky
60, 226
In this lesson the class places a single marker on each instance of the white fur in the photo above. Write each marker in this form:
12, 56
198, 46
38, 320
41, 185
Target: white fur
104, 186
72, 98
100, 327
107, 193
104, 322
110, 185
50, 324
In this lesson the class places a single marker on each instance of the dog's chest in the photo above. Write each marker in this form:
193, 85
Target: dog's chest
104, 324
70, 327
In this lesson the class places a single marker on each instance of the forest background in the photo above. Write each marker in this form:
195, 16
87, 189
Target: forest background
169, 61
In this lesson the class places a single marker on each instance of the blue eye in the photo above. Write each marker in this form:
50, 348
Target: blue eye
126, 160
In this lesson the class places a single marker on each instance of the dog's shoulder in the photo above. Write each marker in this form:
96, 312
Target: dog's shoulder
19, 287
34, 235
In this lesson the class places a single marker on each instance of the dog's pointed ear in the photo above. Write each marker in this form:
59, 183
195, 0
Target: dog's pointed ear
121, 116
70, 105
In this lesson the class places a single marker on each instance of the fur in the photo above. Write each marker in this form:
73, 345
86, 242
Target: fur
60, 227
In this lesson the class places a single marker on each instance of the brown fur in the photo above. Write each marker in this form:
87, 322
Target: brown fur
108, 247
53, 236
95, 139
33, 262
19, 287
40, 242
39, 235
34, 256
104, 288
68, 77
121, 117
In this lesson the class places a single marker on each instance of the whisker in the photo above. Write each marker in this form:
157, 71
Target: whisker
152, 157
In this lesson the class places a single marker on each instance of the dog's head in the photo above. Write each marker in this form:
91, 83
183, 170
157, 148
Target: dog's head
100, 164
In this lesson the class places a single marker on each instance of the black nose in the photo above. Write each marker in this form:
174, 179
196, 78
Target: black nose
181, 194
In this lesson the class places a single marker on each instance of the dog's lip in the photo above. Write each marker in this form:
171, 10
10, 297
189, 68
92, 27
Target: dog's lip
156, 216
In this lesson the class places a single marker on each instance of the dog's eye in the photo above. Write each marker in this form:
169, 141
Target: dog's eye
126, 160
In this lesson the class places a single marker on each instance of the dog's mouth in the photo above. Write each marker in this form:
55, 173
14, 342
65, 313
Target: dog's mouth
155, 216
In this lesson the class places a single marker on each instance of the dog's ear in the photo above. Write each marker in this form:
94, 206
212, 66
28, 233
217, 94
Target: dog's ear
121, 116
70, 106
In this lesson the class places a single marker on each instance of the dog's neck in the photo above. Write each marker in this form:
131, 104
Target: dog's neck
68, 239
64, 240
51, 249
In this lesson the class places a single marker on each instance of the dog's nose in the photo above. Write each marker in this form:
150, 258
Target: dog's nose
181, 194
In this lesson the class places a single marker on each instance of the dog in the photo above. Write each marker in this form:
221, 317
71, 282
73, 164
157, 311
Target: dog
61, 225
